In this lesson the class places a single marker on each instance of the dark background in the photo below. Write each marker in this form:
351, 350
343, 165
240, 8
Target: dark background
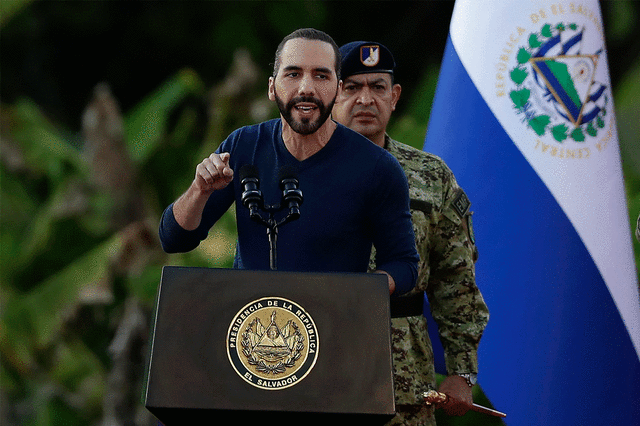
56, 51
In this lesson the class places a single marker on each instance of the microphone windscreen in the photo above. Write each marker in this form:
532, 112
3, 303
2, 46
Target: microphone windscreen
248, 171
287, 172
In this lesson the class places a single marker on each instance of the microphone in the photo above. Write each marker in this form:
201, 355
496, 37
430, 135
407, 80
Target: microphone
291, 194
251, 194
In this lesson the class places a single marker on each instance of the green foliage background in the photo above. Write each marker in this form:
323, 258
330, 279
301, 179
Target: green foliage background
80, 260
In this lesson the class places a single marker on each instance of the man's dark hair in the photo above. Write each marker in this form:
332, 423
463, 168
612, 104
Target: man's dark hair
309, 34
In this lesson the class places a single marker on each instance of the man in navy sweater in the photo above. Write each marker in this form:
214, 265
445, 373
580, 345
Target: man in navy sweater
355, 193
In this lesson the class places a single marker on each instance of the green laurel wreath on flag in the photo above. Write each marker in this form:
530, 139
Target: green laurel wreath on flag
520, 96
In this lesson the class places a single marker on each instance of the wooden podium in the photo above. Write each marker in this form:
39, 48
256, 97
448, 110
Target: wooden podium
270, 347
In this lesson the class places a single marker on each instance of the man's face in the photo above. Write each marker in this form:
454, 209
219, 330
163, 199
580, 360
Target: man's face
306, 85
365, 103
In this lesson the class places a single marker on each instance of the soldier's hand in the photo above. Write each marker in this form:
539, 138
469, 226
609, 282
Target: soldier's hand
213, 173
460, 398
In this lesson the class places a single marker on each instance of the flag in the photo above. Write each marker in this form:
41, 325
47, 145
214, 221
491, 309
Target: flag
523, 114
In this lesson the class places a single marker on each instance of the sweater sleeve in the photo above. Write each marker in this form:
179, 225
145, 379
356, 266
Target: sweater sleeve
394, 240
174, 238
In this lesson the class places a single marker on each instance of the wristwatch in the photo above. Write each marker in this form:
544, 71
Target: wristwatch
471, 378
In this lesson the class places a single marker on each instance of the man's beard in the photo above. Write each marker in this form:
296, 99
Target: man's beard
305, 126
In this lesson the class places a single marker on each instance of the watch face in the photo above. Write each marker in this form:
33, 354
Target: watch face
470, 378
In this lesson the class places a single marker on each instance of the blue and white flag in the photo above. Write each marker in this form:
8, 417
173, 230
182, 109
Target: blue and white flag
524, 116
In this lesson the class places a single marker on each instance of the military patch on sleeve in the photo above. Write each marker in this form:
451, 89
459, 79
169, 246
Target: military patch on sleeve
461, 203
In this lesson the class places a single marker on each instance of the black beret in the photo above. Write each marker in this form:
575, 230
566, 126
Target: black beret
362, 57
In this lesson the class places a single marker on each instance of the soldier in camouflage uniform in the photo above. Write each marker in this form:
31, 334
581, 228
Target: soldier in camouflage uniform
444, 239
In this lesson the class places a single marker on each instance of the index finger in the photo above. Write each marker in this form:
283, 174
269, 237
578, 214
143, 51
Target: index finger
221, 162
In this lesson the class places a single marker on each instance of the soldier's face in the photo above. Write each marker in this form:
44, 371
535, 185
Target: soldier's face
365, 103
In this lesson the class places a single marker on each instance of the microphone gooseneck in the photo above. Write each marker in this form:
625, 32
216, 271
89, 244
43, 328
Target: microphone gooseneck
253, 200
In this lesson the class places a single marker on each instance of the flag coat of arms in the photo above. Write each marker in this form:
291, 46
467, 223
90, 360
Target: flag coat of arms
524, 116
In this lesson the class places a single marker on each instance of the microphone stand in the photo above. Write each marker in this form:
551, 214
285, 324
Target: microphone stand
272, 228
252, 199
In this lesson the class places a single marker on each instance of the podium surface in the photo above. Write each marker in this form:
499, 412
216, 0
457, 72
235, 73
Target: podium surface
270, 347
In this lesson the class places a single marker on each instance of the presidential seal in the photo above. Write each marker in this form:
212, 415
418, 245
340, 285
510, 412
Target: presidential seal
272, 343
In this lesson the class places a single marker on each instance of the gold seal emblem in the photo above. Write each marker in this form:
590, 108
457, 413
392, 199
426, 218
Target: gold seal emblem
272, 343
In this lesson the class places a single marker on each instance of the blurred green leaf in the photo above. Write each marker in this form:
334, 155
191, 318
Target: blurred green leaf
145, 125
46, 151
10, 7
78, 369
35, 319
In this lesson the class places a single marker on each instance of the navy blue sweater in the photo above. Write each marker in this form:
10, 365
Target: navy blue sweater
355, 195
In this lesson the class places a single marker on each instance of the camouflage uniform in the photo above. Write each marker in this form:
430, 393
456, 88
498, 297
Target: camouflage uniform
445, 242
